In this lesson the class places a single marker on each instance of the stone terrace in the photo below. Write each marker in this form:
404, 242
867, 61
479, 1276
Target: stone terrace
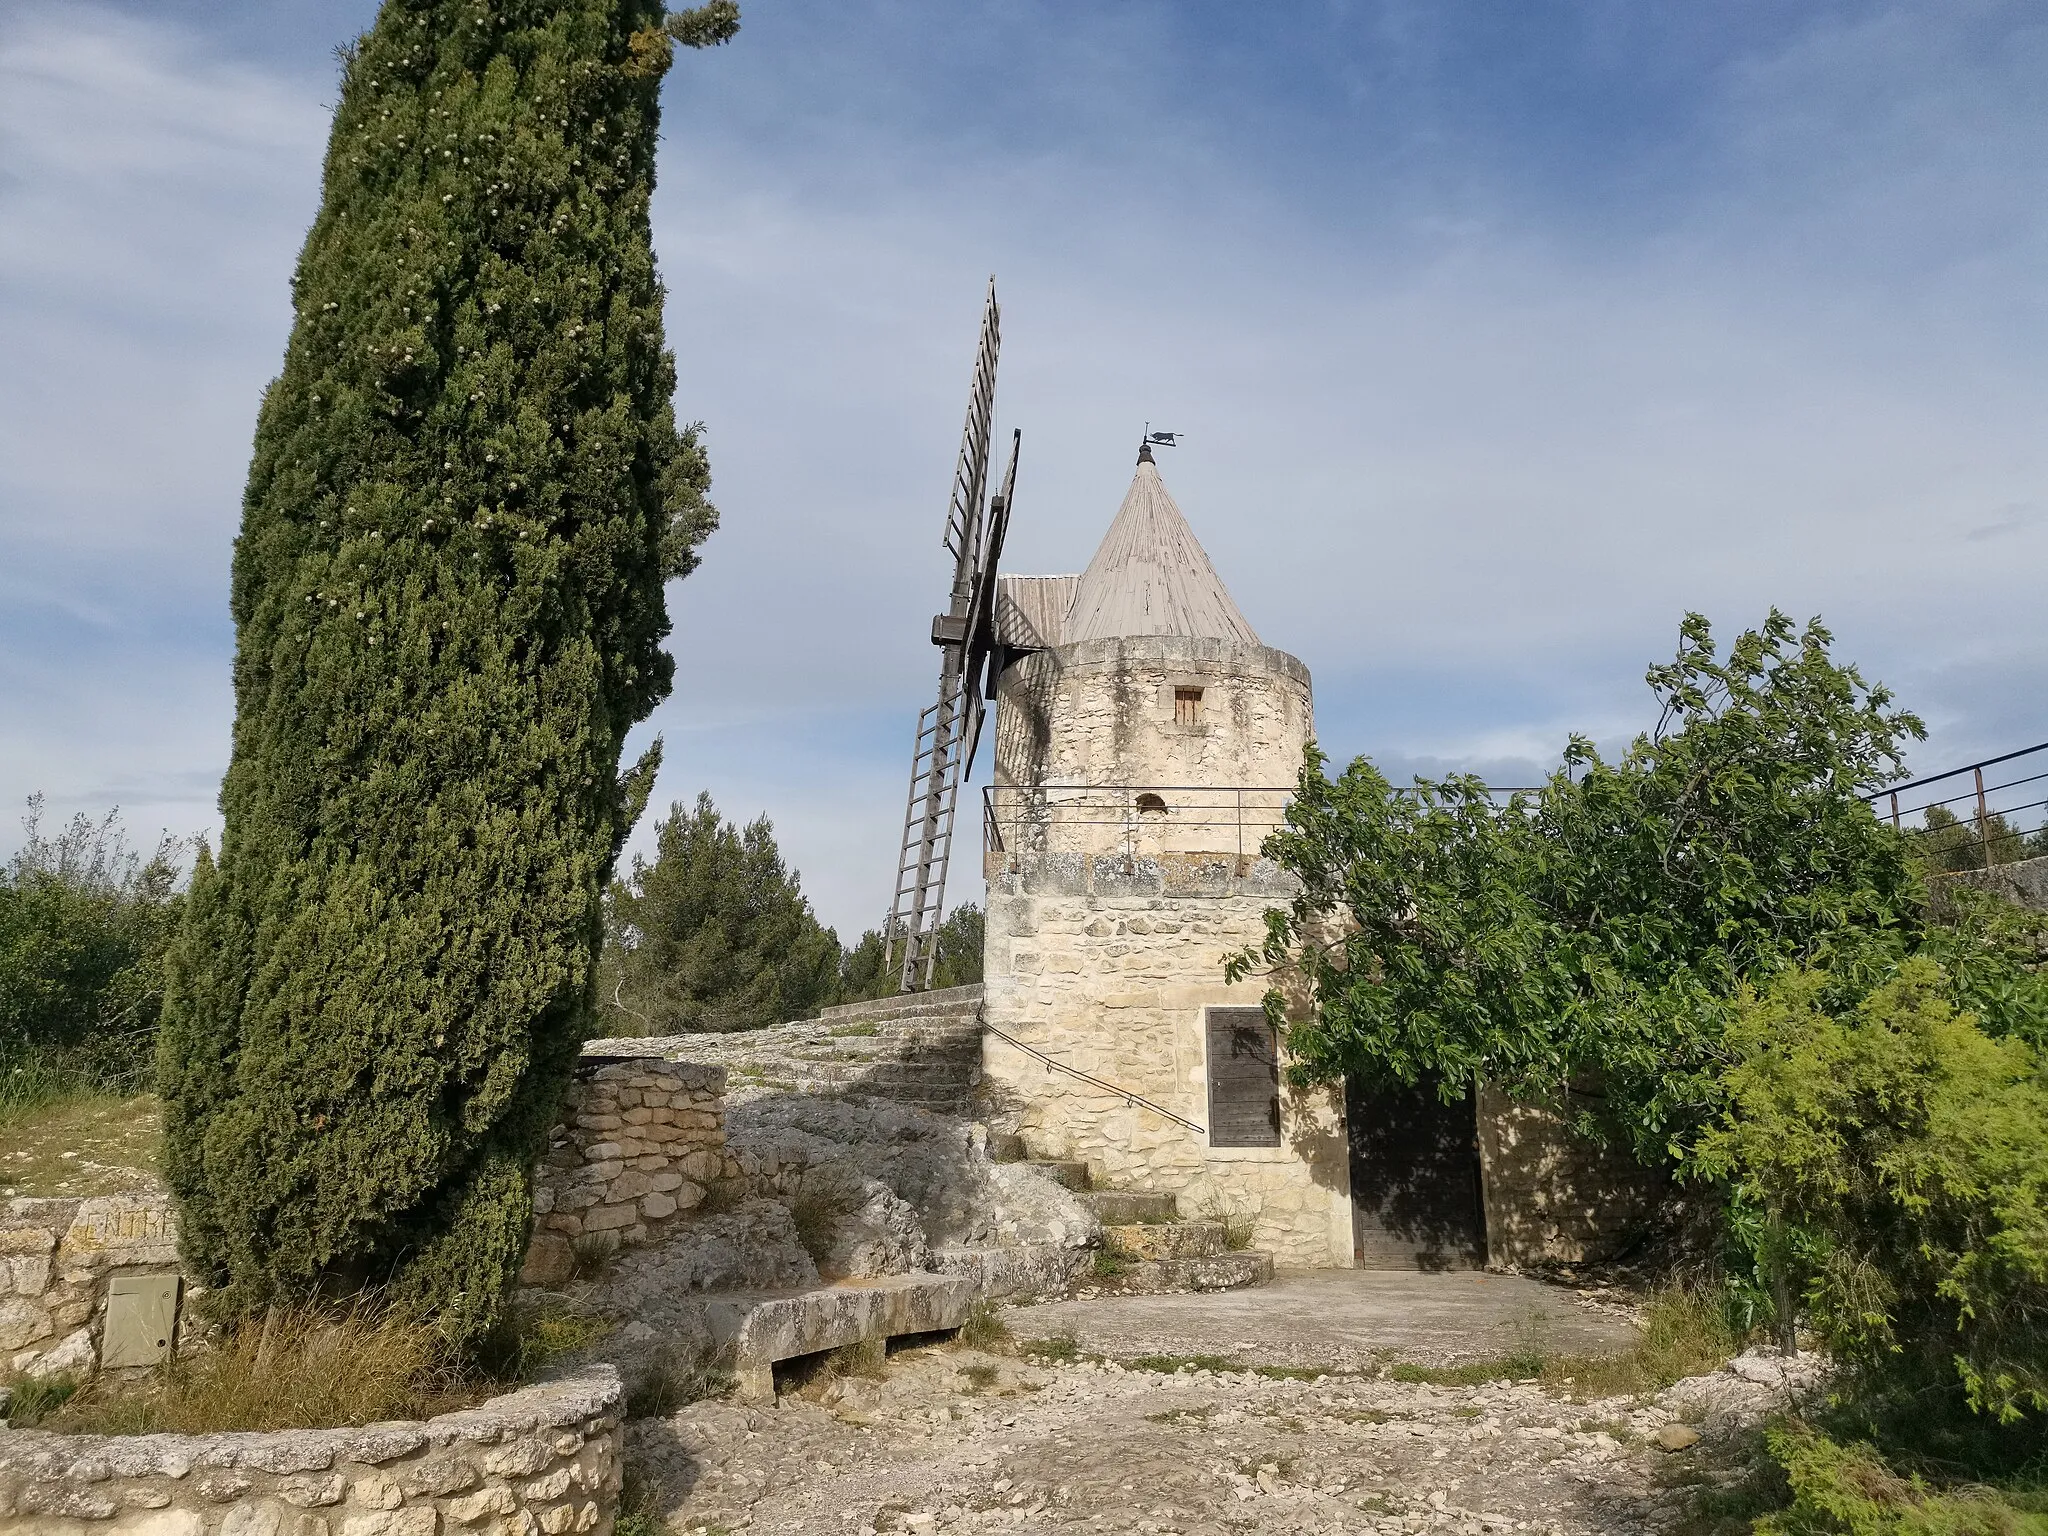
922, 1049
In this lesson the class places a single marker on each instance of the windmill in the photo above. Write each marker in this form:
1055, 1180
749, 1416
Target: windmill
948, 731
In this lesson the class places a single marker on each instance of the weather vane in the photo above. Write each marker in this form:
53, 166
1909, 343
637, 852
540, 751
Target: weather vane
1160, 439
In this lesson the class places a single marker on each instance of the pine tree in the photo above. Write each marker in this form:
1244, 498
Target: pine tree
715, 934
466, 494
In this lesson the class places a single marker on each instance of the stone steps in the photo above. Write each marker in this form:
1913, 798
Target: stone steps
1167, 1240
1068, 1175
1146, 1247
923, 1049
1122, 1207
1217, 1272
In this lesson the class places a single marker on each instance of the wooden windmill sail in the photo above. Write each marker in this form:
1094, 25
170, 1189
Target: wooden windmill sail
948, 731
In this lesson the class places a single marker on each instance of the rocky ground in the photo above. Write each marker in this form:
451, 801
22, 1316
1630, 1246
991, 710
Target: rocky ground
955, 1439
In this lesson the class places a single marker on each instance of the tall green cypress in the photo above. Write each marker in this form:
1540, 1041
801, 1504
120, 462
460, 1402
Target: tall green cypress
467, 492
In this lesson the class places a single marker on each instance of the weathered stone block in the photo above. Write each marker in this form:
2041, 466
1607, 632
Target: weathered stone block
22, 1323
606, 1218
550, 1261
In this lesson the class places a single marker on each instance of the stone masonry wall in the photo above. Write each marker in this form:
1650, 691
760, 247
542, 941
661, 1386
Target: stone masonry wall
1551, 1196
1102, 714
2024, 881
542, 1461
1115, 986
56, 1257
640, 1141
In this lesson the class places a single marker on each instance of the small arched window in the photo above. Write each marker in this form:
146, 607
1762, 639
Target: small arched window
1151, 805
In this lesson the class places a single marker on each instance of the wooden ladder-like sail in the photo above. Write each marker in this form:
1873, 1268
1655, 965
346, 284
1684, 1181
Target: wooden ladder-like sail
948, 731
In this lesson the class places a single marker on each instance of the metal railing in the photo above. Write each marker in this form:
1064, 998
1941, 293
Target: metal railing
1988, 813
1203, 818
1054, 1064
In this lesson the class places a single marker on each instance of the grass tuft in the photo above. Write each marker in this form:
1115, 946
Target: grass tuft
674, 1382
1060, 1349
985, 1329
33, 1399
591, 1254
864, 1357
817, 1217
1110, 1262
1168, 1364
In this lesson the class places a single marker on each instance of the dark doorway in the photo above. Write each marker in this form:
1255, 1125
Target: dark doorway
1415, 1198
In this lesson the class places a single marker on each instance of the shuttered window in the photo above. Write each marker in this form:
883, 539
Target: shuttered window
1244, 1079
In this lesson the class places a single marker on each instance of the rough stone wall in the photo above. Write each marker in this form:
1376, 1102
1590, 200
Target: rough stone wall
1113, 982
640, 1141
1101, 713
923, 1049
1108, 926
2024, 881
56, 1259
543, 1461
1550, 1195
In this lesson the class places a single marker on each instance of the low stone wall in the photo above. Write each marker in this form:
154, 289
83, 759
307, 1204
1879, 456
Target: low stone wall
1551, 1196
544, 1459
2024, 881
56, 1259
641, 1140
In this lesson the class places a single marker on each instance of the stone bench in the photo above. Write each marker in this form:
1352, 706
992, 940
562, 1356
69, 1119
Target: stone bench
755, 1329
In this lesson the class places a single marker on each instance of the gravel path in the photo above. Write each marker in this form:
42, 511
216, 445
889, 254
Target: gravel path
952, 1439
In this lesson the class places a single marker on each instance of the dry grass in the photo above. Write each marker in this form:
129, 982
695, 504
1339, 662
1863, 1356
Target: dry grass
674, 1381
985, 1329
86, 1144
1686, 1332
298, 1368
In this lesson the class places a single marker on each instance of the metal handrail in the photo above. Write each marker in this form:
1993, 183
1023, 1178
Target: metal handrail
1125, 1094
1978, 793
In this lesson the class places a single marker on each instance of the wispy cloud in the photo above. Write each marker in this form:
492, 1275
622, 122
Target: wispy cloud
1501, 339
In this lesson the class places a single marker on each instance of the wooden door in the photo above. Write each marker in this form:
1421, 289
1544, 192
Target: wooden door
1415, 1196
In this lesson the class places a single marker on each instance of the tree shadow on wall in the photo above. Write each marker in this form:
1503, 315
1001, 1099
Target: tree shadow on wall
1414, 1163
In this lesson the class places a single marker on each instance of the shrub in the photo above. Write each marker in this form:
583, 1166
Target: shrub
84, 923
1848, 1490
1890, 1164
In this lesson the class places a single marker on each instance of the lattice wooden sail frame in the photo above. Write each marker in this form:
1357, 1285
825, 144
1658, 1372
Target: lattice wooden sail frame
949, 730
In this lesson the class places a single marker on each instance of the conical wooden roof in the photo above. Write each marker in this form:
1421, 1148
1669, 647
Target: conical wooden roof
1151, 576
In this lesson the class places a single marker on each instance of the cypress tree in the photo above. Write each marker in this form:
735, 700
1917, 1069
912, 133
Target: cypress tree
466, 494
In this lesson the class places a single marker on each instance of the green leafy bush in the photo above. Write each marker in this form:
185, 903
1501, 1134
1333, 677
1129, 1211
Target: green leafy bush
1890, 1160
1847, 1490
1600, 928
84, 923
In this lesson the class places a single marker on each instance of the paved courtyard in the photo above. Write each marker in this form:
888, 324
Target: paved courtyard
1342, 1319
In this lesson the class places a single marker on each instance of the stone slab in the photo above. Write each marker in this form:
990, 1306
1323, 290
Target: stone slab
1345, 1318
756, 1329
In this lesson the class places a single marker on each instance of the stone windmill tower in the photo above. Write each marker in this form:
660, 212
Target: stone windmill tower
1146, 743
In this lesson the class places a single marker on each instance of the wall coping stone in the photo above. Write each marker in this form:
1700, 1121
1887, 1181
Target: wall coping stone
617, 1060
591, 1392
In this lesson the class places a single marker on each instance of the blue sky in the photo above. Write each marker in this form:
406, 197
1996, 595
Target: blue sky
1502, 333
